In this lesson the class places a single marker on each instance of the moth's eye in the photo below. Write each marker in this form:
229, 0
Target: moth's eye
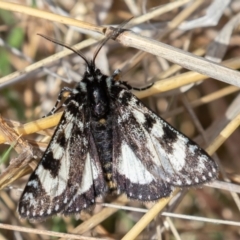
97, 72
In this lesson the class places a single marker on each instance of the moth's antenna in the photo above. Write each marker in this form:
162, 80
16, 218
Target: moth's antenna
100, 47
114, 34
66, 46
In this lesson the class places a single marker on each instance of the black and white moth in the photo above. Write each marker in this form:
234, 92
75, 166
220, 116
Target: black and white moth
108, 141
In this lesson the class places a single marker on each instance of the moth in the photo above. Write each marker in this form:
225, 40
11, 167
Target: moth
108, 141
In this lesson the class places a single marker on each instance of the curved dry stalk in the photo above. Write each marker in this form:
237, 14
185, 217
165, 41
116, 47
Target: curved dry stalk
224, 135
50, 16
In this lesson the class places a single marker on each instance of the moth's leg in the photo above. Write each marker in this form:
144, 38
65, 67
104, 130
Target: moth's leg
133, 88
60, 95
117, 75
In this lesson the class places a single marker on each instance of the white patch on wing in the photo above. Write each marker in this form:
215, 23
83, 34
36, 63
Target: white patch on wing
57, 151
178, 156
139, 116
163, 157
132, 168
68, 114
90, 174
124, 116
157, 130
28, 197
55, 186
68, 130
33, 183
201, 161
192, 149
80, 125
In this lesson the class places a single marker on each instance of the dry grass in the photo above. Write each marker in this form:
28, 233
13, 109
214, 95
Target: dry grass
198, 95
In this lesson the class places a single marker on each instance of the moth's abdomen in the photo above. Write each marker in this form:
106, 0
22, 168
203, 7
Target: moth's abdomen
102, 133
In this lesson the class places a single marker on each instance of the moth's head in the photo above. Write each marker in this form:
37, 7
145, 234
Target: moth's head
92, 71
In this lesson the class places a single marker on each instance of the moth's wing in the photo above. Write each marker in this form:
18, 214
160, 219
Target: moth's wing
92, 183
150, 156
69, 176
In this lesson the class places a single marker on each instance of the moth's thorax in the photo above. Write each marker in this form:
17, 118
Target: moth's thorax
95, 85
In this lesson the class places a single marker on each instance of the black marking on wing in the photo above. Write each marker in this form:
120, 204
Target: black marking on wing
169, 137
61, 139
51, 164
150, 121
